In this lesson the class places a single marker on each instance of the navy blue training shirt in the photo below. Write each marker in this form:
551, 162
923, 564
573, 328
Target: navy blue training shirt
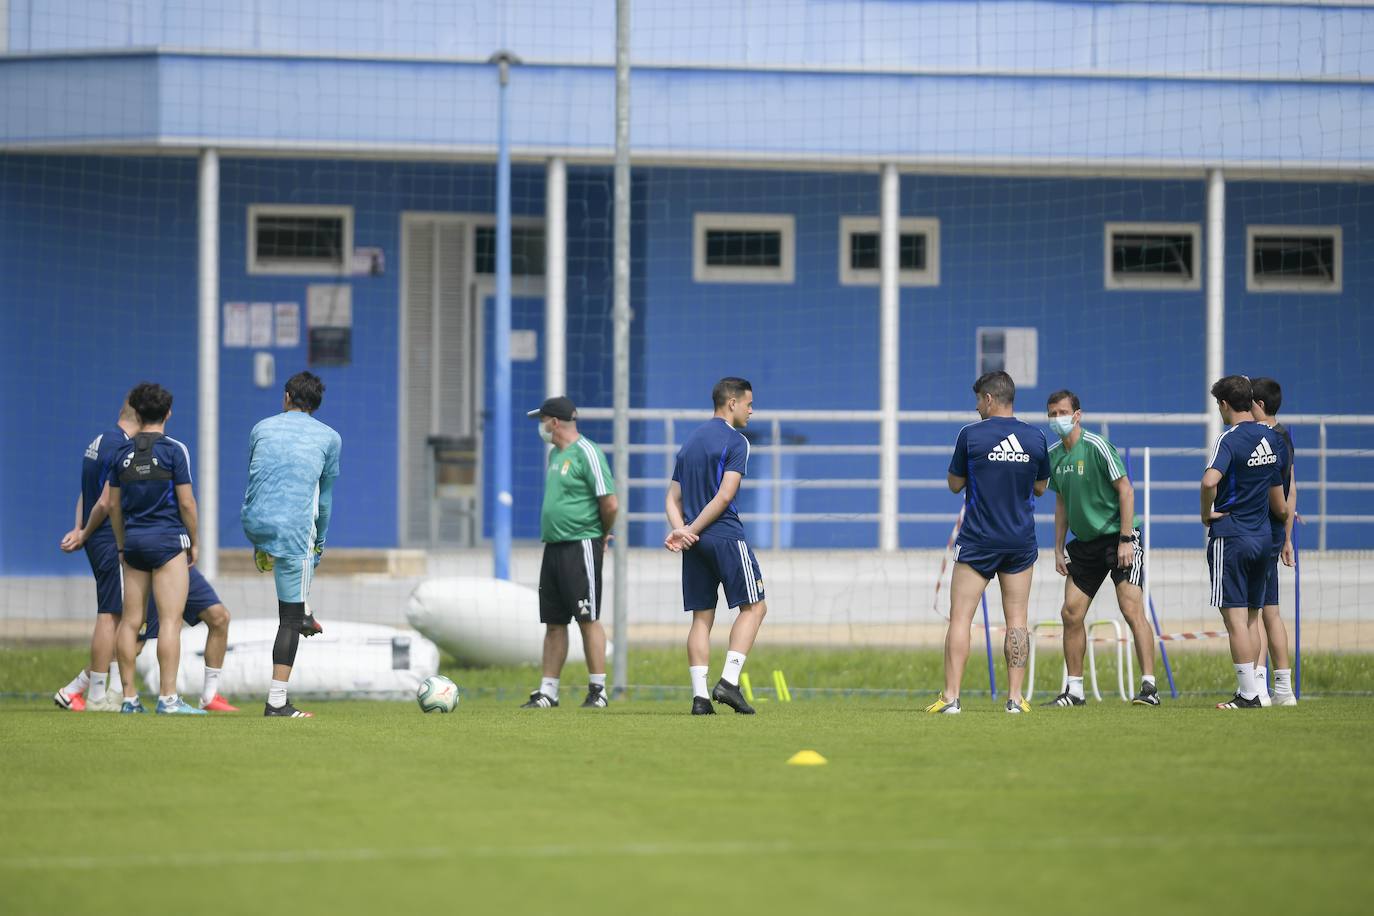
712, 449
150, 507
1249, 456
95, 469
1002, 458
1279, 529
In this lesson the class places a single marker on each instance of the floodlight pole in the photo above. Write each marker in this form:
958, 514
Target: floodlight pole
1216, 295
501, 526
621, 315
207, 365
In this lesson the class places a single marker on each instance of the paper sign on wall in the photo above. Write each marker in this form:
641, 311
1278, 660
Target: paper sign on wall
288, 324
329, 316
236, 324
260, 324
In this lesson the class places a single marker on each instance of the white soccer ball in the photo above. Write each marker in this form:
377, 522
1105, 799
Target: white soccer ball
437, 694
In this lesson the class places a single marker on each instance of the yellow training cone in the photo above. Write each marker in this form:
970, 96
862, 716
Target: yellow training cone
806, 759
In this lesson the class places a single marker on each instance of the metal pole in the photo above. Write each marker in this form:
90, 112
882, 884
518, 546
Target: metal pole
1216, 295
1321, 492
621, 314
987, 641
889, 348
775, 503
556, 279
1149, 583
501, 529
207, 372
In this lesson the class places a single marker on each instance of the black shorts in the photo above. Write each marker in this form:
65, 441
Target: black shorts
570, 582
1090, 562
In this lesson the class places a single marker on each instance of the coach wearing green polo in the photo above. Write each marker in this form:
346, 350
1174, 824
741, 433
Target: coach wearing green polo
1095, 500
574, 524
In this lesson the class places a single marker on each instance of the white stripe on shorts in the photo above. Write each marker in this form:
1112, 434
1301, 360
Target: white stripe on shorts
589, 563
751, 587
1216, 572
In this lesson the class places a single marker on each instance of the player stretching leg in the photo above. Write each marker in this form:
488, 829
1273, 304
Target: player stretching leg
293, 461
1267, 398
1095, 500
153, 514
1001, 464
706, 478
1244, 469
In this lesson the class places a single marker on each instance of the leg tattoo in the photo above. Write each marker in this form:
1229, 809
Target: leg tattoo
1017, 646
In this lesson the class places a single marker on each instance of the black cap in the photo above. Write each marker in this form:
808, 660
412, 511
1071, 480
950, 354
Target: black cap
560, 408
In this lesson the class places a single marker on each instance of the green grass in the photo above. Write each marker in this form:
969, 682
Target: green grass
33, 672
375, 808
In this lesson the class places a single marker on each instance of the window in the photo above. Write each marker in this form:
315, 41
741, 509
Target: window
1015, 351
742, 248
288, 239
918, 252
1152, 256
1304, 259
526, 250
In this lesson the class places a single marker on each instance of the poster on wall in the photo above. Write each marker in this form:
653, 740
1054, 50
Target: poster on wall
260, 324
288, 324
329, 319
236, 324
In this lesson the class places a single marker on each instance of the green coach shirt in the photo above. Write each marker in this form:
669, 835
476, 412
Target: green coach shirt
577, 477
1084, 475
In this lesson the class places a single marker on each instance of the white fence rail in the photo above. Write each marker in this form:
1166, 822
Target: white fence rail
671, 422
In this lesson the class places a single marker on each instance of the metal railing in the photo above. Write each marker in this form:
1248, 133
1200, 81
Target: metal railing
775, 449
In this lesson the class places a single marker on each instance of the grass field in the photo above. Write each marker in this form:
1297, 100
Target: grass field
377, 808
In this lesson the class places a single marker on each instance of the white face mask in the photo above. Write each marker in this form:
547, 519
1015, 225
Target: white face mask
546, 434
1062, 426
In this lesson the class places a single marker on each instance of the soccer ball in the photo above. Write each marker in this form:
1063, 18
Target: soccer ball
437, 694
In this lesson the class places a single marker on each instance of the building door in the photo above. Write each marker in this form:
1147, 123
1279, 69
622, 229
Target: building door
440, 373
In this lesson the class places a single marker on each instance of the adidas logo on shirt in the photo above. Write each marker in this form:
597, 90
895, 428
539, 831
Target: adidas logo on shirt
1262, 455
1009, 449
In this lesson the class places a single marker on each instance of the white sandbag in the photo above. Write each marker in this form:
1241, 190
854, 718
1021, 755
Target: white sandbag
353, 659
484, 621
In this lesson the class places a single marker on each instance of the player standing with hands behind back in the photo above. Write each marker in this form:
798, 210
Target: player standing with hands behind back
293, 461
706, 478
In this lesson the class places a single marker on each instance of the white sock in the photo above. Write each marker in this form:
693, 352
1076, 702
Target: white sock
597, 679
734, 664
549, 687
1283, 680
170, 700
211, 684
1147, 679
1262, 680
698, 673
77, 685
1245, 680
1075, 687
98, 682
276, 694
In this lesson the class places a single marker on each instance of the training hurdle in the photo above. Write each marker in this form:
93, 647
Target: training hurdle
1125, 658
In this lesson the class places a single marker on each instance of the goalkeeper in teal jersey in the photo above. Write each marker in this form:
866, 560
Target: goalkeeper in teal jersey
293, 461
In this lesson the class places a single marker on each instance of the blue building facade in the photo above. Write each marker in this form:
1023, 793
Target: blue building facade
1023, 131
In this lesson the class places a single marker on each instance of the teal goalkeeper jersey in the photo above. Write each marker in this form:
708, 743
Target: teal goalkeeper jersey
293, 460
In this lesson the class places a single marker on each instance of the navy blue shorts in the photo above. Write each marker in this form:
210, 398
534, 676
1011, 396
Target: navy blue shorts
713, 562
148, 554
109, 575
1239, 570
1271, 577
200, 595
988, 563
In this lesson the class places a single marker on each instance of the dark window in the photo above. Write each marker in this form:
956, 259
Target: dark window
863, 251
992, 351
1300, 259
743, 248
283, 238
526, 250
1151, 254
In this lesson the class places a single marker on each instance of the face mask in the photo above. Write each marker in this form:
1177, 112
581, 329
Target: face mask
1062, 426
546, 434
